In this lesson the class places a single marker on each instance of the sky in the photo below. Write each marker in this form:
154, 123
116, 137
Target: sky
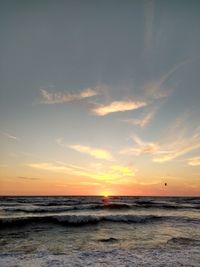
99, 97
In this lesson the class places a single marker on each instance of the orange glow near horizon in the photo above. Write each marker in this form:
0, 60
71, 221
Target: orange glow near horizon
60, 185
103, 179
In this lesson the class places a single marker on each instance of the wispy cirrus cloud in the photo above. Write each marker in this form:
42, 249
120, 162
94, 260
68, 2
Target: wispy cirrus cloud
92, 151
150, 92
60, 167
155, 89
167, 150
48, 166
195, 161
125, 170
116, 174
143, 120
141, 147
116, 106
10, 136
176, 150
48, 97
178, 141
109, 174
27, 178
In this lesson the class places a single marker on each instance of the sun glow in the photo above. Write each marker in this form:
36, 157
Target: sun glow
105, 194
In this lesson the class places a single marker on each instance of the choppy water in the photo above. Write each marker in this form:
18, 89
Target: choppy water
96, 231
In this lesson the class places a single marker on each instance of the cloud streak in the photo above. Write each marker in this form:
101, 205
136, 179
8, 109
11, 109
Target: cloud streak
27, 178
143, 120
48, 166
154, 90
64, 97
116, 106
94, 152
179, 143
165, 151
61, 167
141, 147
10, 136
110, 174
151, 91
195, 161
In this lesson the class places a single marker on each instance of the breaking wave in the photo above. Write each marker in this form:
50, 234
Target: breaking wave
79, 220
99, 206
61, 208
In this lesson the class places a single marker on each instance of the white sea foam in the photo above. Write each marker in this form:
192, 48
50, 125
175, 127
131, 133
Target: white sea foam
114, 257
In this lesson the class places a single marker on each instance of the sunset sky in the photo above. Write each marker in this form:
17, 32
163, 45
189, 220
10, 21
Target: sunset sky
99, 97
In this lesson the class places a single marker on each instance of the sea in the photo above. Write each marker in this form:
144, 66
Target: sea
99, 231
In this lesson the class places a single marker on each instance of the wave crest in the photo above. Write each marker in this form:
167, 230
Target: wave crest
79, 219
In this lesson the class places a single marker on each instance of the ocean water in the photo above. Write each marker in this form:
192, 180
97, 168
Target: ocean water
96, 231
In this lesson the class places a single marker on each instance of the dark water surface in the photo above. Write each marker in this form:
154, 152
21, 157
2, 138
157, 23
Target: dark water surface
96, 231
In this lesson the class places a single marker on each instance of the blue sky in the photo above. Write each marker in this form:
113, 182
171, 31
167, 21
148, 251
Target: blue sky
109, 88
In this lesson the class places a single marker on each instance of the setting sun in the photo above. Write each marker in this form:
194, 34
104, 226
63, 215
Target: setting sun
105, 194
